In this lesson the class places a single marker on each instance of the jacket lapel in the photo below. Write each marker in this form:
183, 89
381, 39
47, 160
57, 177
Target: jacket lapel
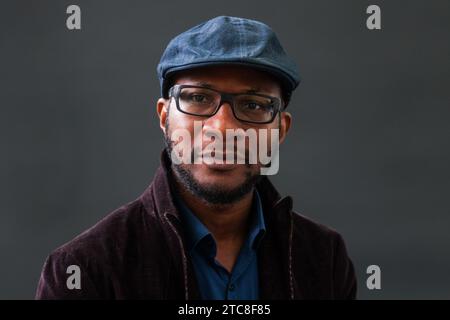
275, 264
158, 199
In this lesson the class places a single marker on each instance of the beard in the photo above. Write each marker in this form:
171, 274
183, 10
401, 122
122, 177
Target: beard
210, 194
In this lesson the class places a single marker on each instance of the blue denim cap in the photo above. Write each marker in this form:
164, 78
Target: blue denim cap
228, 41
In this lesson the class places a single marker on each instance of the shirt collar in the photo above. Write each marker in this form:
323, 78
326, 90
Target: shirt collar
196, 231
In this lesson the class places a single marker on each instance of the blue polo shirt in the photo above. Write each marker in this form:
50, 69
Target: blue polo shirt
215, 282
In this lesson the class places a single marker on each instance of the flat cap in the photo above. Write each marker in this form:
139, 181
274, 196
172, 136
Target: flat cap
228, 40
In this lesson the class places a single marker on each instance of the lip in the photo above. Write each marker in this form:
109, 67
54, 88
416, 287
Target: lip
221, 166
224, 156
211, 164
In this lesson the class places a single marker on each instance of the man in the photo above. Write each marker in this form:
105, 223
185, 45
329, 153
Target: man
210, 230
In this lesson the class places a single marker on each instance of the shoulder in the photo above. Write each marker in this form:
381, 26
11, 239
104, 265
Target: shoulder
323, 250
314, 231
321, 241
106, 251
112, 233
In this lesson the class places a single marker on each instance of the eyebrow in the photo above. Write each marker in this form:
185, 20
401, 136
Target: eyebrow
252, 89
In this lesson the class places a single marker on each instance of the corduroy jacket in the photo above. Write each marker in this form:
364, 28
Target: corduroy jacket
138, 252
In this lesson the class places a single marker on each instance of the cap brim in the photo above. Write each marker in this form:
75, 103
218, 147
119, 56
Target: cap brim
286, 80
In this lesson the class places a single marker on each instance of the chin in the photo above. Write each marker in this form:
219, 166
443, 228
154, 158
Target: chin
219, 181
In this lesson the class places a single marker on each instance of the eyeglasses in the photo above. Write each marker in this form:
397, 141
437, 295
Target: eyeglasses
205, 102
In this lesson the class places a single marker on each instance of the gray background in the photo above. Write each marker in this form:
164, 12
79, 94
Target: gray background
368, 153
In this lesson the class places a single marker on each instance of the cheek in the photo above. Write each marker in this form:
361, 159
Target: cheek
179, 121
268, 135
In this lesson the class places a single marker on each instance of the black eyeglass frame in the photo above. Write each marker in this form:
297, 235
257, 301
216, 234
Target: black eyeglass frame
175, 91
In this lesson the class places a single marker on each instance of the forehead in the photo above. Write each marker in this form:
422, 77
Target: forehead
232, 79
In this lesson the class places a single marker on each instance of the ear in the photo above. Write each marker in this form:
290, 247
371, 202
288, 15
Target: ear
162, 109
285, 125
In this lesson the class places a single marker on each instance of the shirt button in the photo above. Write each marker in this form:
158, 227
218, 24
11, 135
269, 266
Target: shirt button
231, 287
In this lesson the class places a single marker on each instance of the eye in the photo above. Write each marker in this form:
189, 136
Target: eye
252, 106
198, 98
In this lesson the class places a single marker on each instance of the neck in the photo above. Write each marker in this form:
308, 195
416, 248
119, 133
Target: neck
226, 222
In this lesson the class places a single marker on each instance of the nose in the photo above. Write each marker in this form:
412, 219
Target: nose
223, 119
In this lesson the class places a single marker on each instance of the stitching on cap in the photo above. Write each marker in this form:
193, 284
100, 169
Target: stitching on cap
240, 28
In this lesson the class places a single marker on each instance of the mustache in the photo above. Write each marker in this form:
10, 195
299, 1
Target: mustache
236, 156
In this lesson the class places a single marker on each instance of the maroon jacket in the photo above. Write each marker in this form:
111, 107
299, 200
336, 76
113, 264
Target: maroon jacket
138, 252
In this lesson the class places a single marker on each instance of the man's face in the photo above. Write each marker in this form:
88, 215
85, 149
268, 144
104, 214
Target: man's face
220, 183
